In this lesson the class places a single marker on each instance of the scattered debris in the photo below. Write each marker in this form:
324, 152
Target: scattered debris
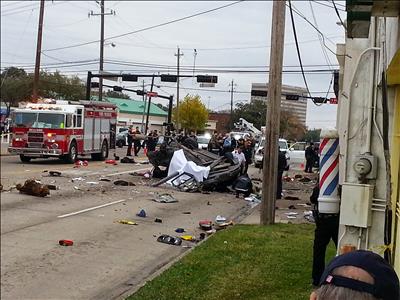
127, 222
304, 205
305, 179
77, 179
293, 198
111, 162
243, 185
79, 163
292, 207
220, 219
92, 182
55, 173
287, 179
298, 176
124, 183
77, 188
291, 213
209, 203
291, 217
224, 224
202, 236
253, 198
145, 162
205, 225
180, 230
141, 213
157, 220
164, 198
189, 238
34, 188
127, 160
186, 212
51, 187
171, 240
105, 179
65, 242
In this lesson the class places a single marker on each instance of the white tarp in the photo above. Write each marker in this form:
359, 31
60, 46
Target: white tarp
180, 164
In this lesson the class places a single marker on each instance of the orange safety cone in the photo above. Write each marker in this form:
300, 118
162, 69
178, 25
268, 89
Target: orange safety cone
302, 166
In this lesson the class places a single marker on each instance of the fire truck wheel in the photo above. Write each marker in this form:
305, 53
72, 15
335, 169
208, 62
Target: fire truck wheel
103, 154
72, 154
24, 158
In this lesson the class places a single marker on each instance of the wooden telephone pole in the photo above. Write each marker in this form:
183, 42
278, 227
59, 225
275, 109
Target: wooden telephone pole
38, 53
270, 167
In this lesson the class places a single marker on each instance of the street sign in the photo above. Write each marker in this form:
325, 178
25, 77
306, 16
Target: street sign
204, 84
333, 101
207, 79
168, 78
152, 94
108, 74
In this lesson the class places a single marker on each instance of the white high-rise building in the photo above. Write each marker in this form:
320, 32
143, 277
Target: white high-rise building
297, 107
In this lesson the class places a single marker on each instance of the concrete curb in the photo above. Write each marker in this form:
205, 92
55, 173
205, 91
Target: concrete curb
158, 270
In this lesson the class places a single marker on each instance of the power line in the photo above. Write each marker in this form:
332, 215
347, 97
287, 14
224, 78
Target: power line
8, 13
148, 28
337, 13
324, 4
297, 47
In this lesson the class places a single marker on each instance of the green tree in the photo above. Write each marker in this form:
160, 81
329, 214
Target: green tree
114, 94
253, 112
16, 86
312, 135
193, 114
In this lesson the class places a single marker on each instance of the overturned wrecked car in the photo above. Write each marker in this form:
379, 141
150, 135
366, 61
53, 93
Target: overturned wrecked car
221, 171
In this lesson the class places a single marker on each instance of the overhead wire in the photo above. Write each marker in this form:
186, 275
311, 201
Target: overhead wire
337, 13
148, 28
297, 48
324, 4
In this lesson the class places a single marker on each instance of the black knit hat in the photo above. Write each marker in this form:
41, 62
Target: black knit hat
386, 284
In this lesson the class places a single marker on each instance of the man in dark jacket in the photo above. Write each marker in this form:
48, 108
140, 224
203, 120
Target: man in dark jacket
282, 164
310, 155
326, 228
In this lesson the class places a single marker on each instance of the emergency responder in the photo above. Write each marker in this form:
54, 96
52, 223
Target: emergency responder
326, 228
310, 156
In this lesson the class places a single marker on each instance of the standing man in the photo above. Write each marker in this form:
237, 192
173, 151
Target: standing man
326, 228
309, 154
239, 156
282, 164
136, 141
130, 141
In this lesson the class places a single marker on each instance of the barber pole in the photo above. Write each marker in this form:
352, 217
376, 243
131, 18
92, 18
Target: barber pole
328, 200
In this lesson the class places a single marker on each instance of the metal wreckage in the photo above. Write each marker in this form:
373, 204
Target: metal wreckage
223, 170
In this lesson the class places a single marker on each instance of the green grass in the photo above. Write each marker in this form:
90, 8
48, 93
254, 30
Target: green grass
242, 262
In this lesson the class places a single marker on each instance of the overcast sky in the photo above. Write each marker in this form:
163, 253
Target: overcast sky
236, 37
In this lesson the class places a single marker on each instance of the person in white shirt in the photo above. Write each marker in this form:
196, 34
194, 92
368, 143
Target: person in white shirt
239, 155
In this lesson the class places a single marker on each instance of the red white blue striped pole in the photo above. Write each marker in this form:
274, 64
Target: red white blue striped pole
328, 200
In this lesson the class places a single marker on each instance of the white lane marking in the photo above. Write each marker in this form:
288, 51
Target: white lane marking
130, 171
91, 208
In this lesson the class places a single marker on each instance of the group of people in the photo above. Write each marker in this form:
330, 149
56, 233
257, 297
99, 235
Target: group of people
136, 141
311, 154
241, 149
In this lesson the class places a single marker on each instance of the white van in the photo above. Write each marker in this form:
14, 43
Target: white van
259, 155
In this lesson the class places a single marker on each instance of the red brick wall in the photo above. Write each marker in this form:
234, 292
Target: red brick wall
223, 121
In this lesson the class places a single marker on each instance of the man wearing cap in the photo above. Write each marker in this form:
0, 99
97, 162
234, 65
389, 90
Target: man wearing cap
358, 275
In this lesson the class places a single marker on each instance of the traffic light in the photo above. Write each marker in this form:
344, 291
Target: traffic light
129, 77
319, 100
207, 79
140, 93
117, 88
292, 97
94, 85
169, 78
259, 93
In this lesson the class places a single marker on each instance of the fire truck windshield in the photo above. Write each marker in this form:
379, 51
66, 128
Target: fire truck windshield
39, 120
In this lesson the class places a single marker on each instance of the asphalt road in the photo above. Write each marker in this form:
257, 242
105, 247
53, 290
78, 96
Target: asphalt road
107, 259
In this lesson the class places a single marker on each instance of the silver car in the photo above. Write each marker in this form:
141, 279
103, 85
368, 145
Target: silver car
259, 154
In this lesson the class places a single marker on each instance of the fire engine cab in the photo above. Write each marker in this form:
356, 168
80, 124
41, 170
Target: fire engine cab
64, 129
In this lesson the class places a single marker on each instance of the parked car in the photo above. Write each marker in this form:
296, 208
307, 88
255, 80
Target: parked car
122, 139
259, 155
203, 141
297, 154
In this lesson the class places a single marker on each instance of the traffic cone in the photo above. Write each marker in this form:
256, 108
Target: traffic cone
302, 166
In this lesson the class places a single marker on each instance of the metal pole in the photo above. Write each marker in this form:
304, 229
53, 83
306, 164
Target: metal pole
178, 57
231, 105
170, 104
88, 85
144, 98
148, 106
270, 166
101, 50
38, 52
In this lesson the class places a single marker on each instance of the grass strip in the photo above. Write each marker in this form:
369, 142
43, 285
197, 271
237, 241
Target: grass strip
242, 262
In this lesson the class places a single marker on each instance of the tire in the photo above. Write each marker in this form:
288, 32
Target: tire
103, 154
24, 158
120, 144
72, 155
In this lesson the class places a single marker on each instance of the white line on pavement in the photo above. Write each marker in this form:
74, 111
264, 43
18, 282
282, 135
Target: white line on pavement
130, 171
91, 208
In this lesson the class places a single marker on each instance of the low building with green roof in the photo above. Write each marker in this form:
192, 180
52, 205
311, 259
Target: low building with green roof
130, 112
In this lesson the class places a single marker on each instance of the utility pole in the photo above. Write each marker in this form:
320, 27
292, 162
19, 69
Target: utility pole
148, 106
144, 106
231, 85
38, 53
101, 62
270, 166
101, 67
178, 58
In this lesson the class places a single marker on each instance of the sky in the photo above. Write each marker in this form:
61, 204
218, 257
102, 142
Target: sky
227, 41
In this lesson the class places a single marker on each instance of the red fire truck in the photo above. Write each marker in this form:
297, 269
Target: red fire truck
64, 129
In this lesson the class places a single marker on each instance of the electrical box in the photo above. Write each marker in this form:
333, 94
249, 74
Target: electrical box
356, 202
